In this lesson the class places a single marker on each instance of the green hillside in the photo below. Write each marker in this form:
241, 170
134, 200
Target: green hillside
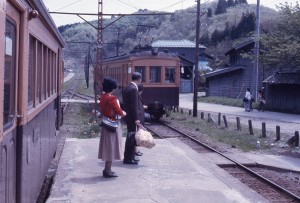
216, 31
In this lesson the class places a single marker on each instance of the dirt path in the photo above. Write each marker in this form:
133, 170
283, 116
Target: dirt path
289, 123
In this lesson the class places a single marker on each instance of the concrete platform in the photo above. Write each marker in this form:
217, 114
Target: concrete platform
171, 172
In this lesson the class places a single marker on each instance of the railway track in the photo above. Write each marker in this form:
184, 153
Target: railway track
71, 91
276, 185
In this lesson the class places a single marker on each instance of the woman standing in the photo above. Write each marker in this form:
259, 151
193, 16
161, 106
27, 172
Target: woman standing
247, 100
110, 147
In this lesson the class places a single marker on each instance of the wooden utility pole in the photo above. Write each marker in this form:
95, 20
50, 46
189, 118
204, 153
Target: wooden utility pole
118, 42
256, 51
196, 72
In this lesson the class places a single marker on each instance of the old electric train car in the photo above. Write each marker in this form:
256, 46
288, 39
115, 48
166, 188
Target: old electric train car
160, 77
30, 70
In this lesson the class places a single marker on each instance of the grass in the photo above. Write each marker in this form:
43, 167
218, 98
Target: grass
80, 122
226, 101
82, 86
237, 139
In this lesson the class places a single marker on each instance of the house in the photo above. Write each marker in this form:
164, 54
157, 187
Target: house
185, 50
282, 92
233, 80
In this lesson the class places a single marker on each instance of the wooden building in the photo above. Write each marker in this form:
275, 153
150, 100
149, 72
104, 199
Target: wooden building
282, 92
233, 80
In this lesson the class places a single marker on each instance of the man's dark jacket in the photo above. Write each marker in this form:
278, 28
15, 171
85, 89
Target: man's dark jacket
132, 106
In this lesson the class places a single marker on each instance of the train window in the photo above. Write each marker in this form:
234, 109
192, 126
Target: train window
39, 73
42, 72
9, 74
31, 72
155, 74
55, 73
141, 70
170, 75
45, 58
48, 73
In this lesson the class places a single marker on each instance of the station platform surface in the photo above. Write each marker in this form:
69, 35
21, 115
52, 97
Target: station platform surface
171, 172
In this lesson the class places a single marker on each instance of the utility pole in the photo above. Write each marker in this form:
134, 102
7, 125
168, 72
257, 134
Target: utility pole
98, 68
196, 72
118, 42
256, 51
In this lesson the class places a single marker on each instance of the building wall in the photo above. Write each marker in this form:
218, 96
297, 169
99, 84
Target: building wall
232, 85
284, 98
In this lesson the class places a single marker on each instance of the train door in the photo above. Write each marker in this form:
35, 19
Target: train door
9, 142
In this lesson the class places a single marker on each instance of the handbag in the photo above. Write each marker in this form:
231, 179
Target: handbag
245, 99
109, 124
144, 138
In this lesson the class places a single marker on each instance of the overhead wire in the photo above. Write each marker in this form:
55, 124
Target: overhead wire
172, 5
68, 5
128, 4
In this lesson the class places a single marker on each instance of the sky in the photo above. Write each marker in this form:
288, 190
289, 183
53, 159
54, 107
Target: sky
125, 7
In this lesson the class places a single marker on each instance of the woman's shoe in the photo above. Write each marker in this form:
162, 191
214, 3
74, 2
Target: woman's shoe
138, 153
109, 175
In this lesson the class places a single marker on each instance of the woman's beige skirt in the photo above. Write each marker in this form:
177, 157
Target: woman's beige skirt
110, 147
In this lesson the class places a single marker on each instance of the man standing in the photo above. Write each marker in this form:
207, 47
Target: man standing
132, 105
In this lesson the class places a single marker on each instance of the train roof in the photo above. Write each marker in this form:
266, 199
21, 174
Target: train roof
143, 54
43, 12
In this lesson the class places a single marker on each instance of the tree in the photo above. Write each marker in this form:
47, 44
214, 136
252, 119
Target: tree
204, 39
209, 12
241, 2
221, 7
246, 25
281, 47
216, 36
230, 3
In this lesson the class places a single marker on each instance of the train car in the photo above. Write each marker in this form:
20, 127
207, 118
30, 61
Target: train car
31, 68
160, 77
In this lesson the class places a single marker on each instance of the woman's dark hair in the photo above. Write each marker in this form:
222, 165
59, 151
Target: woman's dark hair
136, 76
140, 87
109, 85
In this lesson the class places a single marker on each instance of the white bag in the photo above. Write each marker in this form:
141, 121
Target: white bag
144, 138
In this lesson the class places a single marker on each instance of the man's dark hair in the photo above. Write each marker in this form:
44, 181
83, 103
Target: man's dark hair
109, 84
136, 76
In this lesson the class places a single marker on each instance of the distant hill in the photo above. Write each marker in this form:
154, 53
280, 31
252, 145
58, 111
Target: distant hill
216, 31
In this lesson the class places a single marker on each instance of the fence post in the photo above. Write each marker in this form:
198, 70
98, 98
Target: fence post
263, 129
190, 112
238, 124
181, 111
219, 118
277, 132
225, 121
296, 138
202, 115
250, 127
